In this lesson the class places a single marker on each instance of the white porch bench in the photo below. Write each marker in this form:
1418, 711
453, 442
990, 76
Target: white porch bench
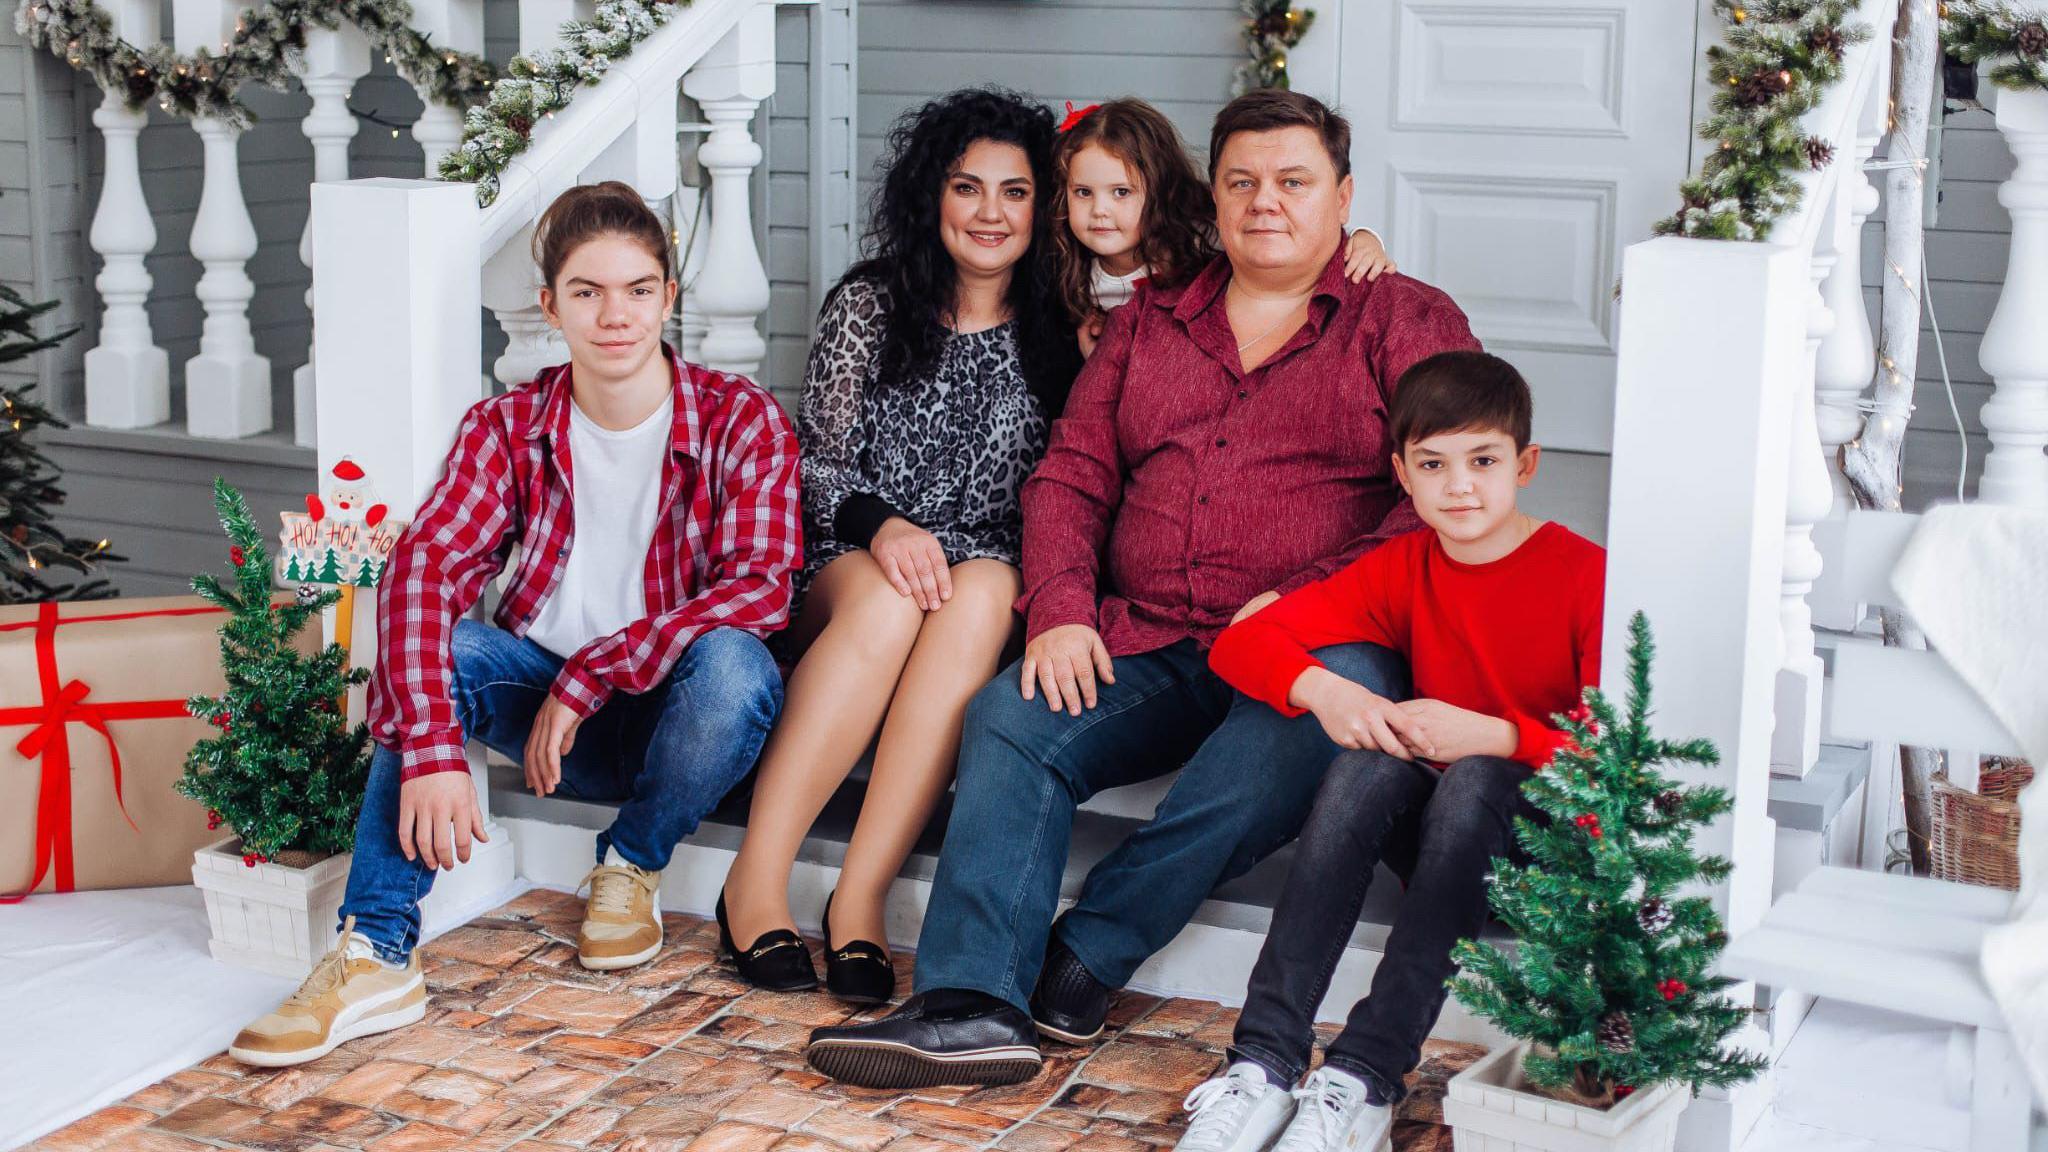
1899, 943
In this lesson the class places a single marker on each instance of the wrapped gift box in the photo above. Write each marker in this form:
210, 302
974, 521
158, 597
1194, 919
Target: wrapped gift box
94, 732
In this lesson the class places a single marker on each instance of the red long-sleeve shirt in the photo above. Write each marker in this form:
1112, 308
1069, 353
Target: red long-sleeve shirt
1516, 639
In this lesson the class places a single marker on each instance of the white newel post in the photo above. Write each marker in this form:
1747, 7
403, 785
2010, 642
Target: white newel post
332, 63
451, 25
227, 386
511, 290
2015, 348
1795, 741
729, 84
1704, 559
396, 261
1848, 357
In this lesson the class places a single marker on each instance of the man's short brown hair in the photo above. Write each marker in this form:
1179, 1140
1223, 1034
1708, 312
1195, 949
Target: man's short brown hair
1269, 109
1459, 392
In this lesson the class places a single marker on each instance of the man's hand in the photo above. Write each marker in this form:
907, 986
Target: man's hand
554, 733
1089, 334
913, 561
437, 817
1356, 717
1253, 605
1066, 661
1457, 732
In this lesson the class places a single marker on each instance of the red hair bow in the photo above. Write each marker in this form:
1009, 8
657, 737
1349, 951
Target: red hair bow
1076, 115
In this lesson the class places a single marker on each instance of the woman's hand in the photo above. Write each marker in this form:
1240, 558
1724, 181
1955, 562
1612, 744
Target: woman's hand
913, 561
1356, 717
1365, 257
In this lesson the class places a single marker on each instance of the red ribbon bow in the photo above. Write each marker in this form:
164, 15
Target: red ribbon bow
50, 741
1076, 115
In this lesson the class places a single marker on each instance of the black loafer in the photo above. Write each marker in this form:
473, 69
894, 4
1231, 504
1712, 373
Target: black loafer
776, 961
946, 1036
1069, 1003
860, 971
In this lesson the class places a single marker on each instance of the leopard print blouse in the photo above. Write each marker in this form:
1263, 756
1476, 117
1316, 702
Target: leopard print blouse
950, 449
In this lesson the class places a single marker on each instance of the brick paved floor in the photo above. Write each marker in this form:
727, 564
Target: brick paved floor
523, 1049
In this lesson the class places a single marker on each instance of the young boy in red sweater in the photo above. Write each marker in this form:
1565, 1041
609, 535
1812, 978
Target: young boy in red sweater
1499, 616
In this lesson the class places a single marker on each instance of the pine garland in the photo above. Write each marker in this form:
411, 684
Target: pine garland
542, 84
266, 43
1777, 60
2014, 40
1612, 975
31, 547
286, 772
1271, 28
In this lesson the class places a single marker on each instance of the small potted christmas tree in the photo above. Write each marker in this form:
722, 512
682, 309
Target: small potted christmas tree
1609, 985
286, 772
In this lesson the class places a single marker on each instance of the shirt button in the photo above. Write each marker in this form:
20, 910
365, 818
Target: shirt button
1201, 499
1242, 394
1220, 441
1194, 564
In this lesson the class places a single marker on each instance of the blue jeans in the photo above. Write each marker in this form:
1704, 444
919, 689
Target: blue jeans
1440, 833
670, 754
1248, 775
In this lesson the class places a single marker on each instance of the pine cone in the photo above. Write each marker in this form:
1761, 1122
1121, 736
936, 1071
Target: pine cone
1654, 915
1273, 23
1819, 153
520, 123
1668, 803
2031, 39
1761, 86
306, 593
1615, 1033
1827, 42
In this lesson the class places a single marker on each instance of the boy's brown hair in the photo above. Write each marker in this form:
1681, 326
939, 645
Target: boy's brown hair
1459, 392
1178, 225
587, 211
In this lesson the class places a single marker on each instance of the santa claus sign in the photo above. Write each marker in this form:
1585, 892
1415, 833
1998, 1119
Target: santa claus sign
344, 537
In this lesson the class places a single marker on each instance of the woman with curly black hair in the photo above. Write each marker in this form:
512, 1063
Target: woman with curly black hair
939, 364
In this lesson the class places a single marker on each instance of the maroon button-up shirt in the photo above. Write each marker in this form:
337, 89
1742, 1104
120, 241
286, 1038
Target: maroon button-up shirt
1178, 486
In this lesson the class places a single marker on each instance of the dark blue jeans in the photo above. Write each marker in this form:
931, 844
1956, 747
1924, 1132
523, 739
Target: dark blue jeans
670, 754
1247, 777
1439, 832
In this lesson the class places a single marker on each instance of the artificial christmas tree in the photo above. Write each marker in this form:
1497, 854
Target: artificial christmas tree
1610, 980
32, 549
285, 771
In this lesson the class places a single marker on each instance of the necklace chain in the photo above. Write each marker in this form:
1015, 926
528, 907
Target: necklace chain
1284, 317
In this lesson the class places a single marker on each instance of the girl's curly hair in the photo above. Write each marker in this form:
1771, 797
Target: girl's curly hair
905, 255
1178, 224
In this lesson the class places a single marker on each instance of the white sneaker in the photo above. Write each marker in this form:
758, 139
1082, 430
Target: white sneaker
1333, 1114
1239, 1111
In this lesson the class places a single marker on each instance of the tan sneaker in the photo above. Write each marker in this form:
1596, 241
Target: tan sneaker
343, 997
622, 922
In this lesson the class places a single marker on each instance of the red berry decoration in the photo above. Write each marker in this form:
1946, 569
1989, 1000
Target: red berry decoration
236, 554
248, 859
1623, 1091
1672, 989
212, 820
222, 721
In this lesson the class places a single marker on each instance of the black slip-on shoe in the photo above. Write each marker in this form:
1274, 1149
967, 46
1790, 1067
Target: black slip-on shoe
776, 961
860, 971
1069, 1004
947, 1036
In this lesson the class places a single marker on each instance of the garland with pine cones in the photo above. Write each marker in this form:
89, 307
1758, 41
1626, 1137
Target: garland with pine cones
2012, 39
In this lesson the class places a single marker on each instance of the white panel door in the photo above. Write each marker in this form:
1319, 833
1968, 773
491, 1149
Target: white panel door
1508, 150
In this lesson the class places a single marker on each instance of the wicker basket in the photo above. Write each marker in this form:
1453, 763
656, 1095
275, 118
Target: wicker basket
1976, 834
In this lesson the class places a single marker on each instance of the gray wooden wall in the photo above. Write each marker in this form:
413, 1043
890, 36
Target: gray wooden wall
149, 492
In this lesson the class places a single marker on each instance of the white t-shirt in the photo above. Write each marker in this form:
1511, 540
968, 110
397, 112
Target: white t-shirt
615, 480
1111, 291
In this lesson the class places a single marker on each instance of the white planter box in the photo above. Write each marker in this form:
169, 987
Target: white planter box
271, 918
1489, 1110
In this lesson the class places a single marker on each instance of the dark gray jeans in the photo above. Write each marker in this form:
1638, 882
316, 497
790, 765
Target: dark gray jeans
1440, 833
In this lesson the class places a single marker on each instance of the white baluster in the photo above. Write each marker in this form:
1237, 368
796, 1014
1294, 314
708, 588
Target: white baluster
333, 62
2015, 348
511, 290
1795, 740
452, 26
540, 20
227, 386
693, 237
1848, 357
729, 84
127, 377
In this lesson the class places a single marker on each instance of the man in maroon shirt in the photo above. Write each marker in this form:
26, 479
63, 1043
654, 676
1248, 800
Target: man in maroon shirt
1225, 444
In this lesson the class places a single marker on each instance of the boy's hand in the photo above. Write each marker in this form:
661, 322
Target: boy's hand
1357, 717
1365, 258
1253, 605
1458, 732
554, 733
437, 817
1066, 660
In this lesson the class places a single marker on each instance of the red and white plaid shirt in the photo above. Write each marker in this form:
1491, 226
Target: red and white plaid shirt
727, 538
